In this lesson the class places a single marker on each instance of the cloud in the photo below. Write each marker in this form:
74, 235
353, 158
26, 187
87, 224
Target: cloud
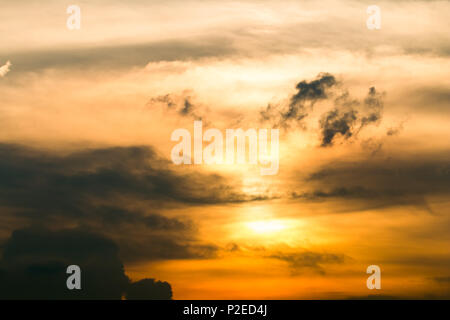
350, 116
381, 183
336, 122
101, 189
374, 105
5, 69
308, 260
53, 182
120, 56
308, 93
346, 118
182, 104
149, 289
343, 192
442, 279
426, 99
395, 130
35, 260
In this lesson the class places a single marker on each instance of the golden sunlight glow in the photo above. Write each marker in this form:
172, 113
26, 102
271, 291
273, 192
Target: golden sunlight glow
266, 226
357, 172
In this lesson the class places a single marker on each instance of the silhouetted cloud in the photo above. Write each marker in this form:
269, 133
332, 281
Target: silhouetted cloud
346, 118
393, 131
34, 265
343, 192
349, 116
35, 260
335, 122
374, 105
308, 260
182, 104
379, 183
149, 289
66, 182
99, 188
308, 92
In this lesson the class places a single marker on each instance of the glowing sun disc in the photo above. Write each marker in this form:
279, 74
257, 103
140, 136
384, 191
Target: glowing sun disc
266, 226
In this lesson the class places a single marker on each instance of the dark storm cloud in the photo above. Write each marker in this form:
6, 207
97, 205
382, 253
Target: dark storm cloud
312, 261
35, 260
381, 183
98, 188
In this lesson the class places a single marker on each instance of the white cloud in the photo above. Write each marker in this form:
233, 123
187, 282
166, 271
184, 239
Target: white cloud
5, 69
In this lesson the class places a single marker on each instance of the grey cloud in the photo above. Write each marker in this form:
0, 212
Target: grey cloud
116, 57
427, 99
343, 192
309, 260
97, 189
393, 131
308, 93
442, 279
380, 183
350, 116
374, 105
336, 122
347, 117
182, 104
57, 183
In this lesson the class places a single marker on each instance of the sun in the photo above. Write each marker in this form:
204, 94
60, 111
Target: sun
266, 226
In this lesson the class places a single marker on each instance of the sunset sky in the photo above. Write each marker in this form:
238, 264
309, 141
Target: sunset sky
86, 118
